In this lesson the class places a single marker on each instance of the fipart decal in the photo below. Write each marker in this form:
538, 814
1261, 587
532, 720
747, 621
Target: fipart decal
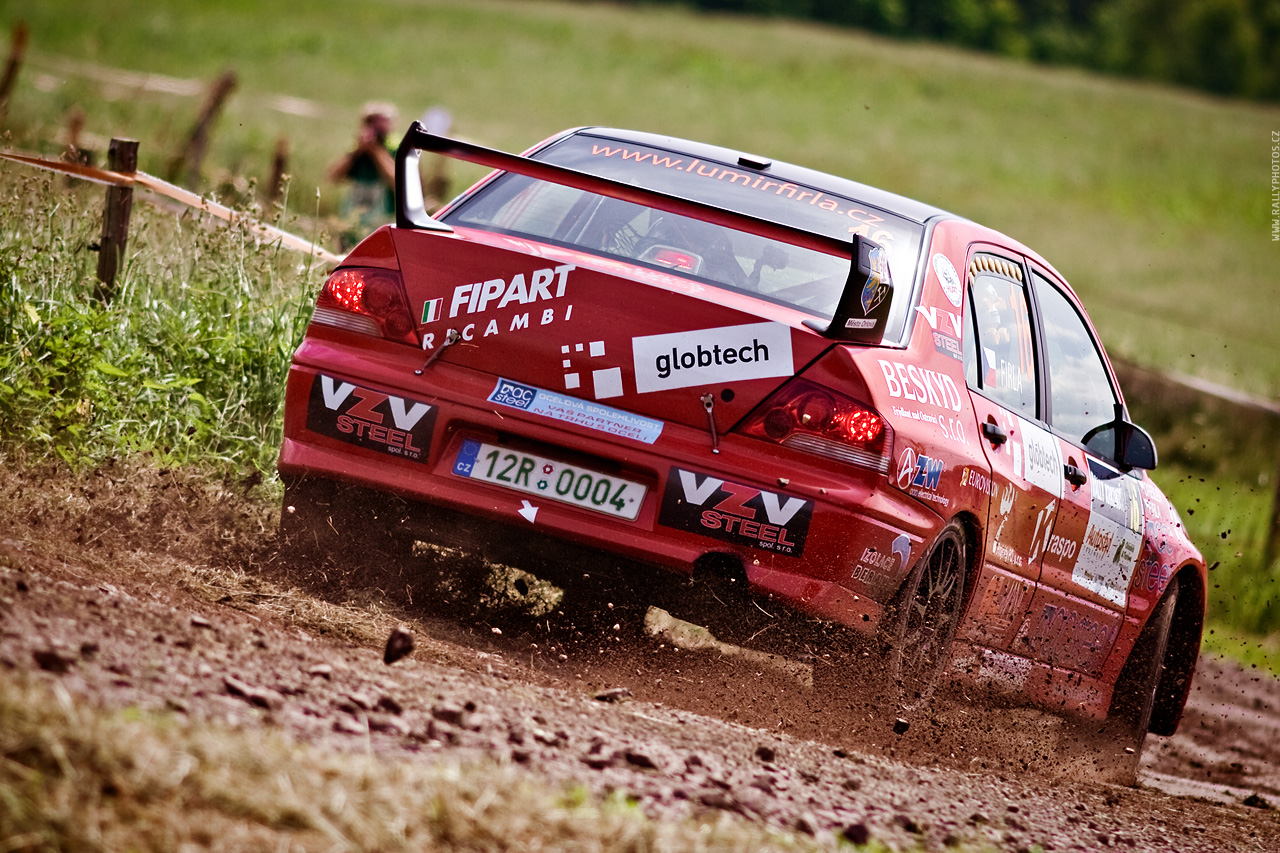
707, 356
572, 410
467, 299
732, 512
498, 294
397, 426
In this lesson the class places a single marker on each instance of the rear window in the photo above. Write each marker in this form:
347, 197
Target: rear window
779, 272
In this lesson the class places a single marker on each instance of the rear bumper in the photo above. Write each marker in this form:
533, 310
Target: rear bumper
840, 531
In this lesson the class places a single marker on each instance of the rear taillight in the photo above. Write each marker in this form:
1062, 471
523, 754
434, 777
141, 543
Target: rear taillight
369, 301
808, 417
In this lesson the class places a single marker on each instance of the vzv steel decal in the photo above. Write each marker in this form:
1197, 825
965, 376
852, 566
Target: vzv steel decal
732, 512
379, 421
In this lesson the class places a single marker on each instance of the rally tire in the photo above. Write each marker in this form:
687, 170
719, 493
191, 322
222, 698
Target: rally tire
923, 624
1111, 751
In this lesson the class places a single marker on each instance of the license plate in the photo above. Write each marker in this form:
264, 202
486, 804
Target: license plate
548, 478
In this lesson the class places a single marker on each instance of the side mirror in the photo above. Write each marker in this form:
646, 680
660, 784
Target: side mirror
1127, 444
863, 310
1137, 449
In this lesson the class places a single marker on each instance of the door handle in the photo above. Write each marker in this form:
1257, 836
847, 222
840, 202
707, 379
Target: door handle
995, 433
1075, 476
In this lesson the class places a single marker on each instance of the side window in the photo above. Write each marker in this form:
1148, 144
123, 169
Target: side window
1002, 364
1080, 393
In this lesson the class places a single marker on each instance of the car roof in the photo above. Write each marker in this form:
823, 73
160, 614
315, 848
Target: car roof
907, 208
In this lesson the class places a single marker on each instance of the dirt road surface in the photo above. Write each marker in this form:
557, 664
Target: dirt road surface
152, 589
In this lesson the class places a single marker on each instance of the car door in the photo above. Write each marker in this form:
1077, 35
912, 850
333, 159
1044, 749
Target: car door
1025, 486
1090, 556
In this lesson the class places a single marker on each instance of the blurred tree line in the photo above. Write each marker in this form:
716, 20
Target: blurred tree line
1229, 47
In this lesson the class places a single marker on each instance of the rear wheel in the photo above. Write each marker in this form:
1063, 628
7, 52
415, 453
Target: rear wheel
926, 618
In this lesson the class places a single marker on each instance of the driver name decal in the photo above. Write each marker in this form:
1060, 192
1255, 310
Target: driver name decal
732, 512
704, 356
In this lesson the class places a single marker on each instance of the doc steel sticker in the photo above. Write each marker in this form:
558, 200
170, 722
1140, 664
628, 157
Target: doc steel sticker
379, 421
584, 413
705, 356
1113, 541
732, 512
948, 279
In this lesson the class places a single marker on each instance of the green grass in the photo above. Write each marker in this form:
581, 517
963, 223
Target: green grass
1154, 202
187, 363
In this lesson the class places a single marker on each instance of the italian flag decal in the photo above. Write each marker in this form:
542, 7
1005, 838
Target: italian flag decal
431, 310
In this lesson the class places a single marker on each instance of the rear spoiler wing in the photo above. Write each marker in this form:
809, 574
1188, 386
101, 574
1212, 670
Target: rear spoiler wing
863, 310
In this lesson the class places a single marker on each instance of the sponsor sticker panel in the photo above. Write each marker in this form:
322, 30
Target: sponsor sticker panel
735, 513
705, 356
584, 413
920, 476
386, 423
1113, 541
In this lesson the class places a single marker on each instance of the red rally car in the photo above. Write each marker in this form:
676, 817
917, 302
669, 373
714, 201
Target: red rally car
876, 412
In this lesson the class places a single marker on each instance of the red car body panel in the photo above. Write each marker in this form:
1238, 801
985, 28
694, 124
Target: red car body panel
643, 376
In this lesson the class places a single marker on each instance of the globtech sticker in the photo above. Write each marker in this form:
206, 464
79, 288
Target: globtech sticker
732, 512
572, 410
705, 356
397, 426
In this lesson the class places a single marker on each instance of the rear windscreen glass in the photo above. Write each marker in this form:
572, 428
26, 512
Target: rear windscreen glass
779, 272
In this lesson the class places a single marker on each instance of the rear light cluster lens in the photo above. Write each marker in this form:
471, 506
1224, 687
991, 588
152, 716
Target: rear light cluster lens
368, 301
808, 417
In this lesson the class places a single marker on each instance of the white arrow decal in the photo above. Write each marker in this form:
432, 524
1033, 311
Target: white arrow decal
528, 510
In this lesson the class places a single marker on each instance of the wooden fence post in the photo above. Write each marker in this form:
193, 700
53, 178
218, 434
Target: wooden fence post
190, 158
279, 164
17, 50
122, 157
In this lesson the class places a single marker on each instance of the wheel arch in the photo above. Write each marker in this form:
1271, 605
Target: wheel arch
974, 541
1181, 654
